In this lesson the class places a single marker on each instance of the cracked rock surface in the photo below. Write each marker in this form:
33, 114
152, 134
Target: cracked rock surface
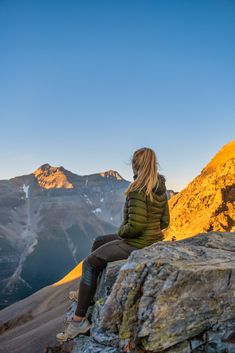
173, 297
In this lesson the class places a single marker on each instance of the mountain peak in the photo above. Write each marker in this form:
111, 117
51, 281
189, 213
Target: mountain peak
111, 173
207, 203
225, 153
45, 166
50, 177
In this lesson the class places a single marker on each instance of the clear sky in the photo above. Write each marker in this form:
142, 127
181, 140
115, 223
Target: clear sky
83, 84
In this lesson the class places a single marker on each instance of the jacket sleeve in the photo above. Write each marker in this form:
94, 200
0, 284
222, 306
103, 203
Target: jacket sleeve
165, 218
136, 220
125, 213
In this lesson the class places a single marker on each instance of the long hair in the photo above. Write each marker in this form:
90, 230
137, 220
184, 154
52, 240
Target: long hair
144, 162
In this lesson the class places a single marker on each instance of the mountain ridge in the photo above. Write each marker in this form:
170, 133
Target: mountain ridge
208, 201
49, 209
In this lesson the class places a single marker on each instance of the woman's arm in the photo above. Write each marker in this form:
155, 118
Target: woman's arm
136, 215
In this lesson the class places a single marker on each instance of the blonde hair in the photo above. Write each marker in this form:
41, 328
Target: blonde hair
144, 162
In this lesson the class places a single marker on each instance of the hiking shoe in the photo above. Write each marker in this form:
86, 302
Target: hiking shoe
74, 329
73, 295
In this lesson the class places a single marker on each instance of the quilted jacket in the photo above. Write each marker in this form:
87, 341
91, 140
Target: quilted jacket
144, 220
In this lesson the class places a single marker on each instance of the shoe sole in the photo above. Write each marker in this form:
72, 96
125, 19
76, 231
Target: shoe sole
72, 337
73, 298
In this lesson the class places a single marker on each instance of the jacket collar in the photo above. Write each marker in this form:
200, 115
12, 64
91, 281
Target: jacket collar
160, 186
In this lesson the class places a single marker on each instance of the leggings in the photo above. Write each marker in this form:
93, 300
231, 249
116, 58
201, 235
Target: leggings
106, 248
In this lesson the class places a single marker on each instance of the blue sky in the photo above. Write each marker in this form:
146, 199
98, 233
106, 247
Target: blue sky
85, 83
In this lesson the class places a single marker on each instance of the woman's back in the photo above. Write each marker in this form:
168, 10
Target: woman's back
144, 219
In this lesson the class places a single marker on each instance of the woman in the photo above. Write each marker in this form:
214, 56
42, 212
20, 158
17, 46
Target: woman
145, 213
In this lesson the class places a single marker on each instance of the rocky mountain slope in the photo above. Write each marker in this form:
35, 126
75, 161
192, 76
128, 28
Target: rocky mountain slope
48, 221
30, 324
171, 297
208, 202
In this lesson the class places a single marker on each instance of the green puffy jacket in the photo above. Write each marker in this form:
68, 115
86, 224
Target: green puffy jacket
143, 220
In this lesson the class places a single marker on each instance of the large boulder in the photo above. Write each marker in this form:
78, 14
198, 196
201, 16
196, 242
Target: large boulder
174, 297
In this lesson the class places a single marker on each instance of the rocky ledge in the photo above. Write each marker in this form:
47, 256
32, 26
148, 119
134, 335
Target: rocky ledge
171, 297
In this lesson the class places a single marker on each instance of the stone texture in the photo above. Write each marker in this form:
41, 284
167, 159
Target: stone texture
172, 297
208, 201
88, 345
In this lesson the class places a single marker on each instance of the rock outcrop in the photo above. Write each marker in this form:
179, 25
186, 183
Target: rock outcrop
171, 297
208, 202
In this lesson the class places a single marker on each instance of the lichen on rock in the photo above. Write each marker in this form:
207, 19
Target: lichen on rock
171, 297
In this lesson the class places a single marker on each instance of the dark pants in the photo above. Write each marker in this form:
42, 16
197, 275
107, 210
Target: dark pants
106, 248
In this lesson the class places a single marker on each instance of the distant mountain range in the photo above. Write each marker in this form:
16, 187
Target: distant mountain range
48, 221
208, 202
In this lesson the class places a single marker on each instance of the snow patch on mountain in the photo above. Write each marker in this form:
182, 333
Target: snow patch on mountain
87, 199
97, 210
28, 235
32, 246
26, 190
71, 245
